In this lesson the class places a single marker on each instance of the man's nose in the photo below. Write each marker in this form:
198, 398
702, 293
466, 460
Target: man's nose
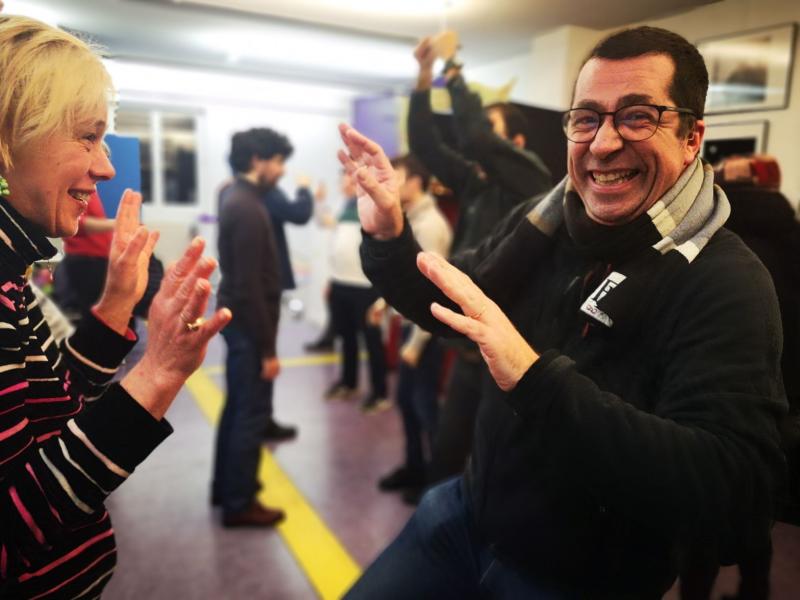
608, 140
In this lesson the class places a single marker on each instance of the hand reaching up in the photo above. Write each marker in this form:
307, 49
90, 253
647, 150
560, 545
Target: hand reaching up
177, 335
376, 184
126, 280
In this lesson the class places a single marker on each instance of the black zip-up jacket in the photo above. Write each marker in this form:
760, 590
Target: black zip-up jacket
488, 175
621, 451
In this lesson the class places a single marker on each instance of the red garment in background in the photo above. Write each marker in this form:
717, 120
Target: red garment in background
90, 244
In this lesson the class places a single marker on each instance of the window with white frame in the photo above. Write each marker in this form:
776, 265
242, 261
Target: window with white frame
168, 152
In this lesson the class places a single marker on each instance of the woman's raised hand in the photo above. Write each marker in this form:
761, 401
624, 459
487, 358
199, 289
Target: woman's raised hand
130, 253
177, 333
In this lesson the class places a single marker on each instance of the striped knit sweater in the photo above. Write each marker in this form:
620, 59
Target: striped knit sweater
67, 437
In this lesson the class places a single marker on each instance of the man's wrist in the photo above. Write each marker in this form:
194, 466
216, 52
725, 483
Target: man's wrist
526, 361
425, 79
391, 234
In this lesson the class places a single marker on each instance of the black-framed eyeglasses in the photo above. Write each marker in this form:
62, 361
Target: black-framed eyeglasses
634, 123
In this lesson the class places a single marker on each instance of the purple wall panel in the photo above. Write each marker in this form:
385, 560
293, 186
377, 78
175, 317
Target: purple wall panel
376, 117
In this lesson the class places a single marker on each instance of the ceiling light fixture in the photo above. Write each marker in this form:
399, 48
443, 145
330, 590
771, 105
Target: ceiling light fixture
415, 8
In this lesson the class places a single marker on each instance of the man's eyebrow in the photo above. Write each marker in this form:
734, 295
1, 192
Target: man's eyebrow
592, 104
635, 99
626, 100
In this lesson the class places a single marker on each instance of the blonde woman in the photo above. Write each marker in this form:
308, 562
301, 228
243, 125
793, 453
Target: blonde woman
68, 437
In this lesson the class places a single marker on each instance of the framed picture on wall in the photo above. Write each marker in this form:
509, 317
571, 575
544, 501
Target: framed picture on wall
728, 139
749, 71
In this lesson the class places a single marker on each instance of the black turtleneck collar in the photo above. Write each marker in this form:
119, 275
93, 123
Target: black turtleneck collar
609, 243
21, 243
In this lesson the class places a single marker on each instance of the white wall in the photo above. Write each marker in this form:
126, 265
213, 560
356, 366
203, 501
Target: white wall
307, 114
546, 73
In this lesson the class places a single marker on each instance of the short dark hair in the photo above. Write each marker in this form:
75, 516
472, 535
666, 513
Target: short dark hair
516, 123
689, 84
260, 142
413, 167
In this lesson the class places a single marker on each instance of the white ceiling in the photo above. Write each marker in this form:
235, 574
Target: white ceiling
361, 42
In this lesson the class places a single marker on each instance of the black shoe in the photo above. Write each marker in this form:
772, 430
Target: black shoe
339, 391
413, 495
323, 344
375, 404
401, 478
275, 432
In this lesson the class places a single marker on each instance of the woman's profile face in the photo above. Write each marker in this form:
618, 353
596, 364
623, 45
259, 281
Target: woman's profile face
53, 177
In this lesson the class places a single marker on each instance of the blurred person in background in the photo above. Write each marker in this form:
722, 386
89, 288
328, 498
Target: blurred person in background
351, 295
273, 150
80, 276
421, 354
765, 220
281, 209
490, 173
251, 288
68, 437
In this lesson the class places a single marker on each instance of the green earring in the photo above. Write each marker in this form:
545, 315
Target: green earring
4, 191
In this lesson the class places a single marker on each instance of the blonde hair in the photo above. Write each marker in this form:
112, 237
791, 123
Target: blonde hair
49, 82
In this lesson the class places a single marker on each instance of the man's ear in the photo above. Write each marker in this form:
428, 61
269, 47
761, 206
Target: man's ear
519, 141
694, 141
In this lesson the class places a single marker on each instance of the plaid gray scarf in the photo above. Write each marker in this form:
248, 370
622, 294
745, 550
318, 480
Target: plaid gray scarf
684, 218
672, 232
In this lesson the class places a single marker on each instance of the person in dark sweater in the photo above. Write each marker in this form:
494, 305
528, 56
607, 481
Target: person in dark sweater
281, 209
251, 288
490, 173
277, 150
634, 345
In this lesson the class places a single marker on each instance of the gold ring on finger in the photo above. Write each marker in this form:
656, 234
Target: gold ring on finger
195, 325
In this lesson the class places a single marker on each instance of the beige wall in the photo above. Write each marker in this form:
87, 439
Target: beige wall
732, 16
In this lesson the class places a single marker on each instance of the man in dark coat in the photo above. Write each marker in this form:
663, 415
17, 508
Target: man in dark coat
634, 344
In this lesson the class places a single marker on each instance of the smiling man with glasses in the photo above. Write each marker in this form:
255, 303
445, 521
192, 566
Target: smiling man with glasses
634, 345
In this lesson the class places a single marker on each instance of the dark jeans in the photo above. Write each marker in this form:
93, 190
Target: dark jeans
239, 435
438, 555
417, 399
349, 306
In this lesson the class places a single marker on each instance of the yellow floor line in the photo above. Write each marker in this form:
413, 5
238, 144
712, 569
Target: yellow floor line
294, 361
328, 566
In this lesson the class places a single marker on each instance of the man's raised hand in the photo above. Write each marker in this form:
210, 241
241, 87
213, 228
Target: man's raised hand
376, 184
